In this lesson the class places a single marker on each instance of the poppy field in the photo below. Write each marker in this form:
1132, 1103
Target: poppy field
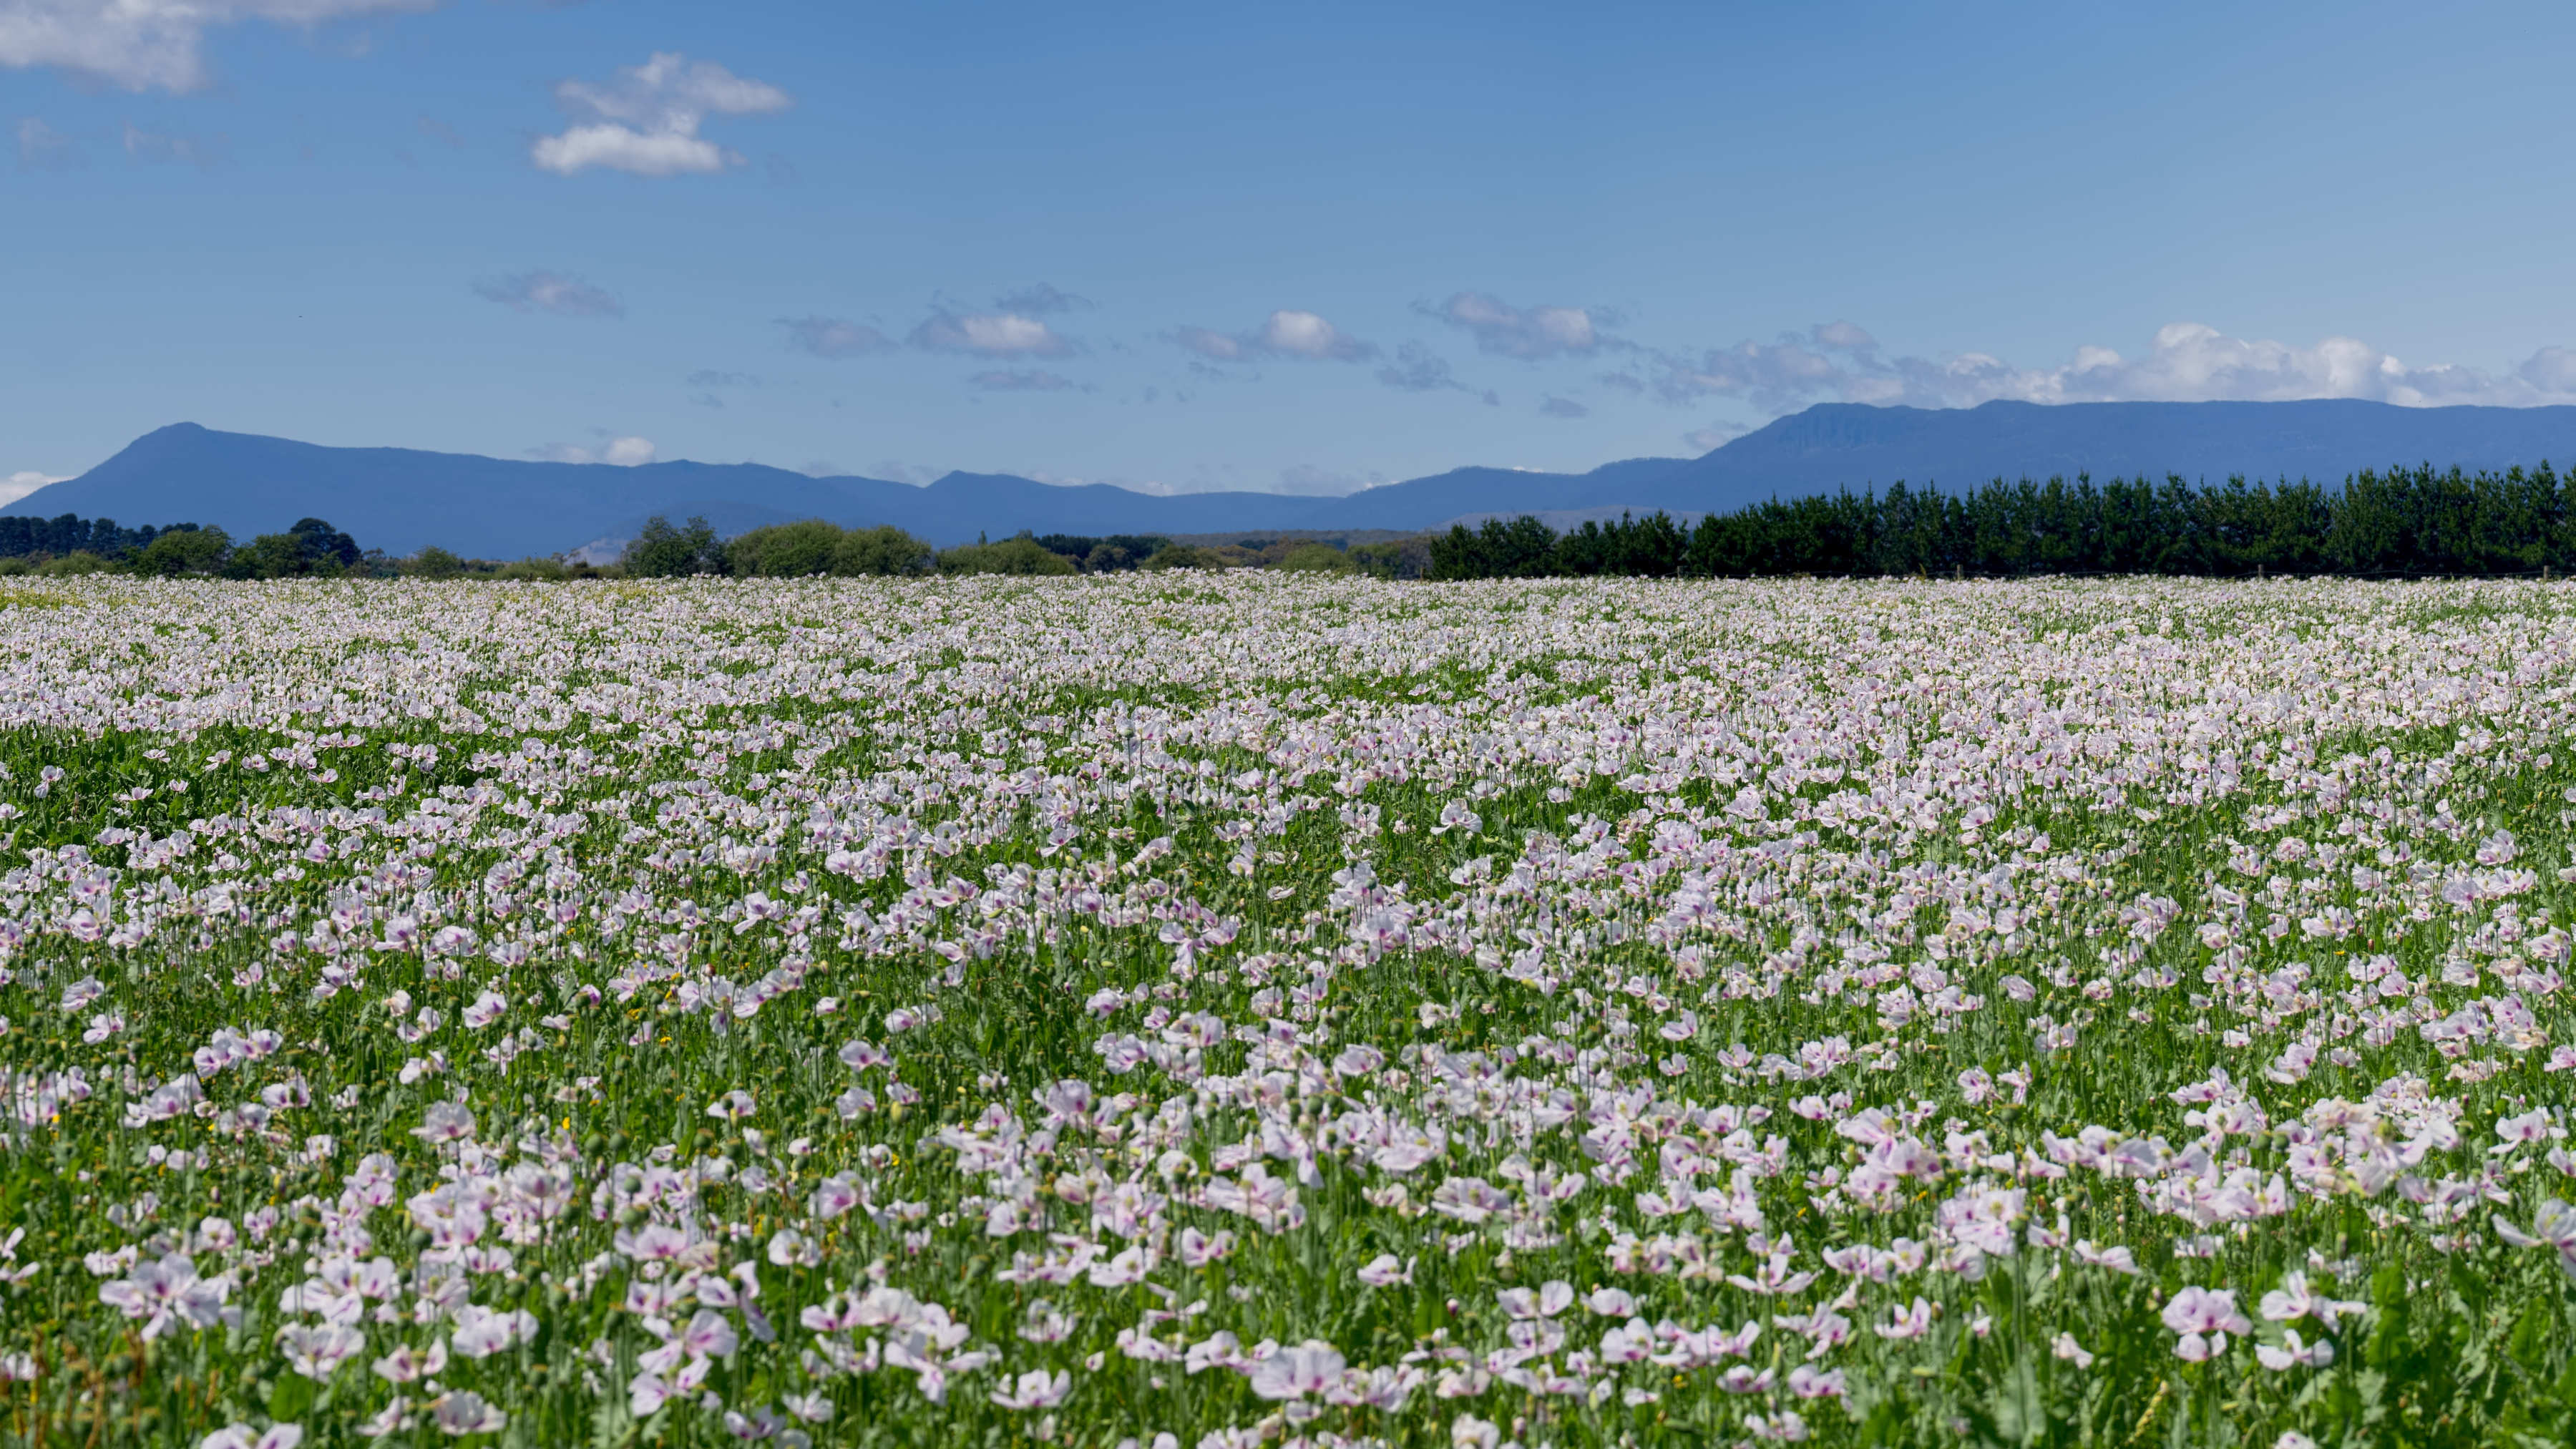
1196, 1011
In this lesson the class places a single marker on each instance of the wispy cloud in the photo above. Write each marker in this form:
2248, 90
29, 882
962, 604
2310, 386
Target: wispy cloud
155, 146
919, 475
1039, 300
832, 337
1563, 407
1308, 480
42, 148
991, 334
646, 121
628, 452
1531, 334
19, 484
1417, 368
141, 45
543, 291
1287, 334
1023, 380
1715, 435
2184, 362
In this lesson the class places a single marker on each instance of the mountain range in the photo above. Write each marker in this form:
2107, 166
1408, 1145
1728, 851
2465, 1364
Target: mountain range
401, 500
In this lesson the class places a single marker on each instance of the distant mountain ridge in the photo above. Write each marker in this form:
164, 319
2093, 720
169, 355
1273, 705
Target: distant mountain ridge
401, 499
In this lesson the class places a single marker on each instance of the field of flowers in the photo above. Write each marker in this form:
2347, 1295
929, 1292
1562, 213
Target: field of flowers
1228, 1010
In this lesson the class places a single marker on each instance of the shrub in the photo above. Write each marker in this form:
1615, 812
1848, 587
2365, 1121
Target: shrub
881, 551
1400, 558
1184, 556
540, 569
784, 550
433, 562
1315, 558
664, 552
82, 562
1020, 555
184, 551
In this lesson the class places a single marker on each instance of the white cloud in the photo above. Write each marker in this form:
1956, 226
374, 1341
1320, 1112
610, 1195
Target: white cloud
145, 145
2551, 370
1030, 379
1291, 333
1529, 333
550, 292
919, 475
1715, 435
1417, 368
990, 334
1288, 333
832, 337
1563, 407
646, 121
1307, 480
1213, 345
2185, 362
1039, 300
41, 147
623, 452
147, 44
18, 485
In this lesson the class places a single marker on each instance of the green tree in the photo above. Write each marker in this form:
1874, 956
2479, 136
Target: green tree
1020, 555
320, 542
664, 552
1182, 556
433, 562
80, 561
883, 551
784, 550
267, 556
1315, 558
184, 551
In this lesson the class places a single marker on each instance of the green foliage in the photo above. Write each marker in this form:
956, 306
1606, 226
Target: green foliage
1315, 558
1184, 556
884, 551
1401, 558
310, 549
664, 552
784, 550
1112, 553
70, 533
433, 562
2415, 522
184, 551
799, 550
541, 569
1522, 548
72, 565
1020, 555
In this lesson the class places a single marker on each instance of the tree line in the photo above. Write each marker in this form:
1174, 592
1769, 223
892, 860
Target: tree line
2403, 522
811, 547
69, 544
70, 533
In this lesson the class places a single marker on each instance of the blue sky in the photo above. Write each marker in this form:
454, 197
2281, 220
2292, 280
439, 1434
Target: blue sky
1308, 247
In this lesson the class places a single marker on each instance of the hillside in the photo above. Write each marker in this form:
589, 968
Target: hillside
401, 499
